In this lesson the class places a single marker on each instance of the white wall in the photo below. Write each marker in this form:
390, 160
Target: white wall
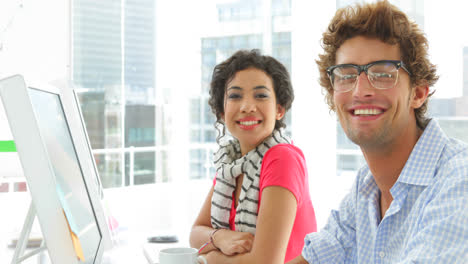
10, 164
153, 208
35, 43
445, 28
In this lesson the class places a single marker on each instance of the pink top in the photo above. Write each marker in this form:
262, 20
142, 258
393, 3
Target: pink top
284, 165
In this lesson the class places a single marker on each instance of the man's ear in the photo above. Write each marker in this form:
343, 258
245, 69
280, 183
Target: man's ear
280, 111
419, 96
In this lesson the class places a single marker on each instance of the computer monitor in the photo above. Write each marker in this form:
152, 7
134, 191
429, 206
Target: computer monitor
57, 162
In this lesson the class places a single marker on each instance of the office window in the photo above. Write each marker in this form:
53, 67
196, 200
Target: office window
413, 8
239, 10
120, 104
281, 7
113, 70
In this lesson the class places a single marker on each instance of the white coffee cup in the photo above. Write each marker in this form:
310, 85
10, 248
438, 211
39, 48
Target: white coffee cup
179, 256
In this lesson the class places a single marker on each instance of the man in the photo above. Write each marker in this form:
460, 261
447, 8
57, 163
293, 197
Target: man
409, 203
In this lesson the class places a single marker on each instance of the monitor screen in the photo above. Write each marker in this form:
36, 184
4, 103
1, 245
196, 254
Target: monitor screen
70, 185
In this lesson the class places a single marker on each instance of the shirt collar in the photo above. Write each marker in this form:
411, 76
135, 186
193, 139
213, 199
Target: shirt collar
421, 165
368, 185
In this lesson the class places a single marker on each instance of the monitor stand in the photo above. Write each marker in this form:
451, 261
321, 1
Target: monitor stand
18, 256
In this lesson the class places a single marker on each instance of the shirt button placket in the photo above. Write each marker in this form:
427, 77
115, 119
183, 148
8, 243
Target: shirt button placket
379, 256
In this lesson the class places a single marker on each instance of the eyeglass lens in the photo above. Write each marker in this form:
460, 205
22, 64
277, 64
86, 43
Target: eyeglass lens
381, 75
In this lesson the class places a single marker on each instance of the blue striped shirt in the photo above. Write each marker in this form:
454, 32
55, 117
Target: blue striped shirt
427, 221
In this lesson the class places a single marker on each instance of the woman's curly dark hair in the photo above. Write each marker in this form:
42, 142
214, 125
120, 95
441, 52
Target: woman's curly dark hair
224, 72
387, 23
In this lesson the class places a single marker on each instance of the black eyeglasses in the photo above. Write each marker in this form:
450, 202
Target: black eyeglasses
382, 74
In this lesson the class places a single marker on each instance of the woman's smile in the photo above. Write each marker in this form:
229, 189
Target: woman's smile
248, 123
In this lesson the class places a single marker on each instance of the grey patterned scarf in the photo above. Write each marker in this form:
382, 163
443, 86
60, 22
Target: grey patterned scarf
229, 165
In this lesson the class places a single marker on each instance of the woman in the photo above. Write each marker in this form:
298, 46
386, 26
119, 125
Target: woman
259, 209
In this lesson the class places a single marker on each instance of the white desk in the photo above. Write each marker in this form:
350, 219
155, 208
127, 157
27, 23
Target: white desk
7, 254
130, 247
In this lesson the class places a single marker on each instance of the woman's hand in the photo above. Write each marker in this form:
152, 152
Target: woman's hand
232, 242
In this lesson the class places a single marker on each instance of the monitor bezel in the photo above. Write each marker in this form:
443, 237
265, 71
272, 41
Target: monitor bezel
35, 161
